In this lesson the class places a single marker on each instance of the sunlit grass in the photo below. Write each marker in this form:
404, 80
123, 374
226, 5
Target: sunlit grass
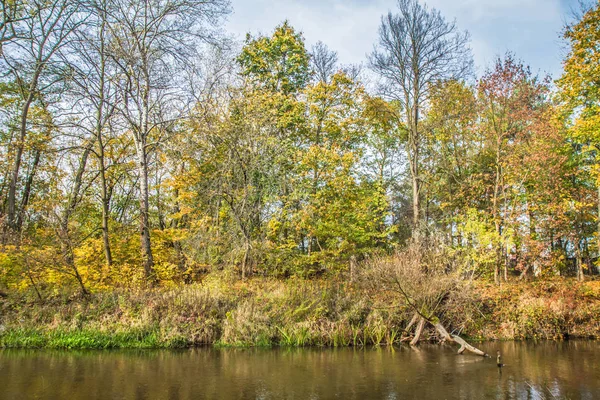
293, 313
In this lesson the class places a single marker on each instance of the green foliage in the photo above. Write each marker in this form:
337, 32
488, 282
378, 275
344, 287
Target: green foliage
278, 63
579, 96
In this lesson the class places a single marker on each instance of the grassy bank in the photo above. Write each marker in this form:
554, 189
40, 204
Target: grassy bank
265, 312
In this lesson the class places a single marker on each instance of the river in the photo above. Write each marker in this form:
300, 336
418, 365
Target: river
546, 370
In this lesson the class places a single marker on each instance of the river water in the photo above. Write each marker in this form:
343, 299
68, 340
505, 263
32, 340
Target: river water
547, 370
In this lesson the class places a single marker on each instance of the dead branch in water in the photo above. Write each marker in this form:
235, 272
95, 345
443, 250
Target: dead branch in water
425, 277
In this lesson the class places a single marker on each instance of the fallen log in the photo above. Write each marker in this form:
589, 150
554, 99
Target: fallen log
457, 339
412, 321
418, 332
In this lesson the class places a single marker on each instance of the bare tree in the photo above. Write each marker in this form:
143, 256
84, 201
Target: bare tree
151, 40
95, 94
324, 61
12, 15
104, 110
417, 47
32, 62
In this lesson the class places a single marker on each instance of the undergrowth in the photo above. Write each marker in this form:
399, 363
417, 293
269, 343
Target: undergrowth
294, 312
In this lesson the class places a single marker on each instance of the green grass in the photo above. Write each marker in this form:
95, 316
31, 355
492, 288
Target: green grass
83, 339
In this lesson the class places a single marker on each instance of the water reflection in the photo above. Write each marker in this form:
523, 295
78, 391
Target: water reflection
534, 371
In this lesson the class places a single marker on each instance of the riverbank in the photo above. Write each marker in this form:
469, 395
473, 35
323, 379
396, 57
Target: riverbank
293, 312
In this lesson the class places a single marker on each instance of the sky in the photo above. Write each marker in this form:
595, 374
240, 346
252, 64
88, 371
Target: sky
531, 29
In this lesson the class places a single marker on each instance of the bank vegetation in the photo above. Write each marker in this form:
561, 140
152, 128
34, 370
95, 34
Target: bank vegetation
162, 185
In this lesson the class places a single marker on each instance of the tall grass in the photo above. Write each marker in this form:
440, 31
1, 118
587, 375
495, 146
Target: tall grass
294, 313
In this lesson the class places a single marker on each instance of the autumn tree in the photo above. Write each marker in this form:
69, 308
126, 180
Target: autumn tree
238, 150
450, 165
277, 71
151, 41
95, 90
417, 47
580, 91
278, 63
32, 60
494, 158
341, 212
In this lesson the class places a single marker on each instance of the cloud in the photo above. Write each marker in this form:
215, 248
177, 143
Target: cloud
529, 28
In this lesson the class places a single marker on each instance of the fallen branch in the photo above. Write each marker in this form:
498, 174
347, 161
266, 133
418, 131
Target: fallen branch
439, 327
418, 332
413, 320
457, 339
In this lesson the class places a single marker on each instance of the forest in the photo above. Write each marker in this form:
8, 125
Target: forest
161, 178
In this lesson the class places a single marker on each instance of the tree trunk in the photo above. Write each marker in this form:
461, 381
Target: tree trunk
27, 190
105, 198
181, 260
352, 267
499, 251
75, 192
445, 336
578, 264
418, 332
3, 186
39, 295
105, 212
141, 138
505, 257
496, 210
496, 272
598, 229
414, 169
12, 186
245, 259
416, 205
146, 246
162, 223
74, 199
67, 250
412, 321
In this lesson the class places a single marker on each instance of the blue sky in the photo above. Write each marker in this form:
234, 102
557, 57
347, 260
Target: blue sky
529, 28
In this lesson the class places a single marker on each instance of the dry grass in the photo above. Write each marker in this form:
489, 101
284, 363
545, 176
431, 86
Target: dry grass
296, 312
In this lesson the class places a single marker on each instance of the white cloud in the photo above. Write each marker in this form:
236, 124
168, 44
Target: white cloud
529, 28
